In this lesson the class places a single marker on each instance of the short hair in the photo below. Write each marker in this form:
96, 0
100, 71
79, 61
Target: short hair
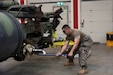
65, 26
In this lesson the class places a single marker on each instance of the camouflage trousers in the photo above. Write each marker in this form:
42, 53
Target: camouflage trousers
83, 50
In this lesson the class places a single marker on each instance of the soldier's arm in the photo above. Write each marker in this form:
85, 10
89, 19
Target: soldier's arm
63, 48
76, 42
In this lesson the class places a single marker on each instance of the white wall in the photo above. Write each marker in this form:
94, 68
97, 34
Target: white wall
98, 16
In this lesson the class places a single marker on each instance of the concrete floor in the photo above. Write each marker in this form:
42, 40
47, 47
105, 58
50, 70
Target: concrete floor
101, 63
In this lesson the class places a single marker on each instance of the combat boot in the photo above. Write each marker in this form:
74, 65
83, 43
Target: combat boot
69, 64
82, 71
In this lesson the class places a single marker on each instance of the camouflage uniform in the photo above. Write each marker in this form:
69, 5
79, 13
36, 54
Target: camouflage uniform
83, 48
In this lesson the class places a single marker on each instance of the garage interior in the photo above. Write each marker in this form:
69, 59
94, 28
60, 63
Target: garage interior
94, 17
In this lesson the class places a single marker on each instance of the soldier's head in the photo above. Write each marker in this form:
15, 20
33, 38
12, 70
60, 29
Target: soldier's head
66, 29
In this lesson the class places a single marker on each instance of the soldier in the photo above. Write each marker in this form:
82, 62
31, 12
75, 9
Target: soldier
81, 46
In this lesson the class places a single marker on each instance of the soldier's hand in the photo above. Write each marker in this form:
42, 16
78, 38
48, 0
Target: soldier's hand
58, 54
70, 54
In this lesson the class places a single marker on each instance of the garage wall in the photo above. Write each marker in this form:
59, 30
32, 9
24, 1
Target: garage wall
97, 16
98, 19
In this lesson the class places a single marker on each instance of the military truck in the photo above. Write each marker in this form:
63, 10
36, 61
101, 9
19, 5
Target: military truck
36, 30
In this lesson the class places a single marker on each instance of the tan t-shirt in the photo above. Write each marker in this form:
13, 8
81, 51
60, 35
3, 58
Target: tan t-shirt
75, 34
